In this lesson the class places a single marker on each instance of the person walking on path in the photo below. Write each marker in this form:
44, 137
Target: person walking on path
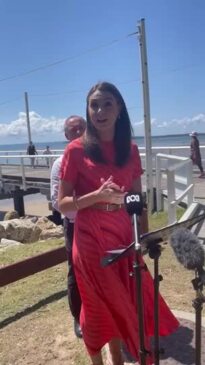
47, 151
31, 150
96, 171
195, 153
74, 127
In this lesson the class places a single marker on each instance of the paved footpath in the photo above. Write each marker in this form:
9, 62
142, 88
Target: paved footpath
179, 347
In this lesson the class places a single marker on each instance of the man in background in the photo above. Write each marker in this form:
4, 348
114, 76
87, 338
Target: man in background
195, 153
31, 150
74, 127
47, 151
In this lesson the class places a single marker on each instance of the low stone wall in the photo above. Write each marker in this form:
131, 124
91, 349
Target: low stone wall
28, 230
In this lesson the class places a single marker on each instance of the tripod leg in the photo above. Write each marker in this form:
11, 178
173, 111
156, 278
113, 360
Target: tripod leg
137, 269
143, 352
198, 306
198, 309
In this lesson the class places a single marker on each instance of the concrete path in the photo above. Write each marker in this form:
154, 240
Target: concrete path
179, 347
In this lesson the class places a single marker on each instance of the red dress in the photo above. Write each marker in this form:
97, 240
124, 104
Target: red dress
108, 294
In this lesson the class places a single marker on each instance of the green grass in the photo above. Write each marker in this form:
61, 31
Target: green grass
49, 319
17, 253
159, 220
26, 292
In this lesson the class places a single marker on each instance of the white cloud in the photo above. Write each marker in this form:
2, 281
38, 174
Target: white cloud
42, 129
51, 129
173, 126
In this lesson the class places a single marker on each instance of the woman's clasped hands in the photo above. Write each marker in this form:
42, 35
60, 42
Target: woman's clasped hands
110, 192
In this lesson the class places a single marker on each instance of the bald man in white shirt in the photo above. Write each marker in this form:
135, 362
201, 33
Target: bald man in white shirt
74, 127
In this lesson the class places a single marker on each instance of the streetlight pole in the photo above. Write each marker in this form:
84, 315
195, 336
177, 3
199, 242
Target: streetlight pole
147, 122
27, 116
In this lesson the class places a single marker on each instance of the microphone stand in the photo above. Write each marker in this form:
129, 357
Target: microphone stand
198, 306
137, 270
151, 242
154, 250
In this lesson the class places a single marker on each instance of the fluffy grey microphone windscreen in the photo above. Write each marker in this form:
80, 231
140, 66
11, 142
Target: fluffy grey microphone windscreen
187, 249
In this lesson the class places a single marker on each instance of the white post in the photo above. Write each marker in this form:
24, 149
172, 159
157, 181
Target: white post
147, 123
190, 195
158, 183
27, 116
171, 197
23, 174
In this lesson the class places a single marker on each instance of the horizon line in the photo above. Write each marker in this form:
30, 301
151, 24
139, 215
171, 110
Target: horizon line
135, 136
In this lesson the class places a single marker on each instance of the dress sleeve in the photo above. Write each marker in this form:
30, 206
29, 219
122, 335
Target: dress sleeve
137, 166
69, 170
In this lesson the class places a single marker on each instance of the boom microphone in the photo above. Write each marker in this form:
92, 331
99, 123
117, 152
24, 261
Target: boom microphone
188, 250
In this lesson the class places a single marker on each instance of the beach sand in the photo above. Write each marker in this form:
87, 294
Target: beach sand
34, 204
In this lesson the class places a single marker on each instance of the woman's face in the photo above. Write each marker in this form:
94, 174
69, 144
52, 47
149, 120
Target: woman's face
103, 110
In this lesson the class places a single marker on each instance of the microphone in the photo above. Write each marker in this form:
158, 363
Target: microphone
188, 250
134, 206
133, 203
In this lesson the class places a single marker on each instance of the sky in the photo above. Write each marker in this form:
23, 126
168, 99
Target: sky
56, 50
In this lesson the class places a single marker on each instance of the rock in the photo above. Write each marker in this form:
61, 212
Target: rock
44, 223
5, 243
56, 232
20, 230
35, 235
2, 231
33, 219
11, 215
29, 230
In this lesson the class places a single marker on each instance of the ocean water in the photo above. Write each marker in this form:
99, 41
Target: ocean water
157, 141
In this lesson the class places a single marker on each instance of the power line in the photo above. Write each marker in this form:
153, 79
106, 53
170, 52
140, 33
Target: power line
66, 59
180, 68
71, 58
63, 92
10, 101
59, 93
78, 91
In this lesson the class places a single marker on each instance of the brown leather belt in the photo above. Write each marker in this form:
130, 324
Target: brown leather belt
107, 207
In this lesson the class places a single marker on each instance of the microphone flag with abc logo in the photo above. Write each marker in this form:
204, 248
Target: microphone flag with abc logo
133, 203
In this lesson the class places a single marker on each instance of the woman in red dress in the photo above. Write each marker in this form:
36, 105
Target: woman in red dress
97, 170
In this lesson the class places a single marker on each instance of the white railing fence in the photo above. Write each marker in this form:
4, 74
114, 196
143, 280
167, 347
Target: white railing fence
183, 151
7, 155
173, 174
21, 164
176, 178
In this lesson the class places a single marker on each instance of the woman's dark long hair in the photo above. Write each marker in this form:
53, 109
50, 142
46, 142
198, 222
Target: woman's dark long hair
123, 129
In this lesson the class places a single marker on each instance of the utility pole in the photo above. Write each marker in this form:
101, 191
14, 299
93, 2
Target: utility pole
27, 116
147, 122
